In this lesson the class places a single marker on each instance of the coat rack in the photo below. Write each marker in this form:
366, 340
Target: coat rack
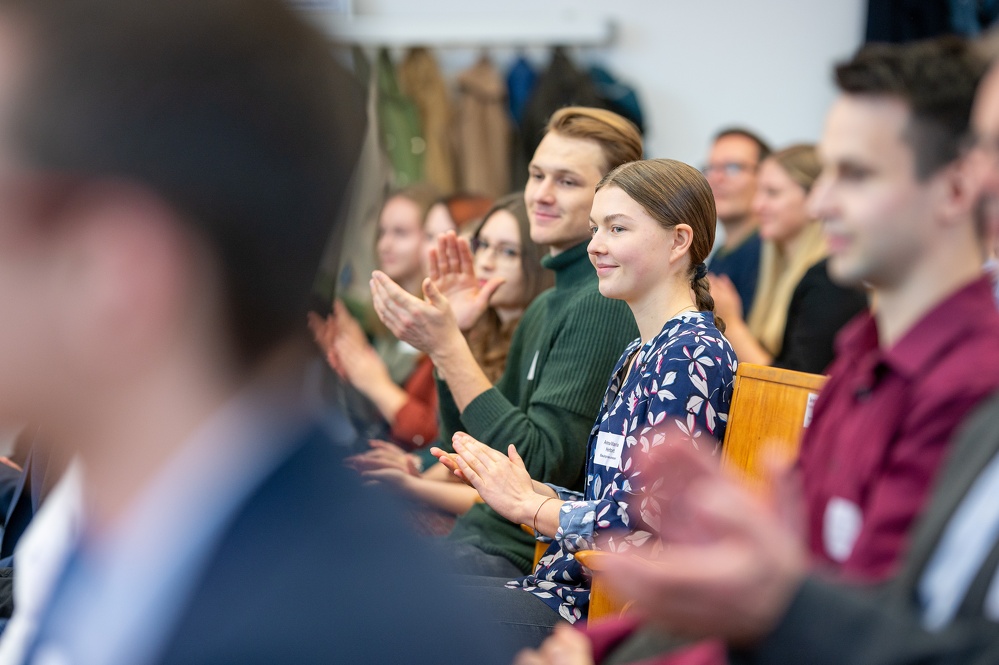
467, 31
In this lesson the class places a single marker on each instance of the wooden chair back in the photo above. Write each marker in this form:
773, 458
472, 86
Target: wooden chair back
771, 408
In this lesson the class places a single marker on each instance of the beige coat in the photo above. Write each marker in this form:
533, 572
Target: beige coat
482, 131
420, 79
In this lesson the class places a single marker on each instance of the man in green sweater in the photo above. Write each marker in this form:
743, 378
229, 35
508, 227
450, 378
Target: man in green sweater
562, 352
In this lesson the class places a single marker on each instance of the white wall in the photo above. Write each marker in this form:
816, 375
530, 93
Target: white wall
697, 65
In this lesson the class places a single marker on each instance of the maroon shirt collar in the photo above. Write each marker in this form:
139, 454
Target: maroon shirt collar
941, 328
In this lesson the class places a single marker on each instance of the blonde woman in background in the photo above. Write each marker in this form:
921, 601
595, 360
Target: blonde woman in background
798, 310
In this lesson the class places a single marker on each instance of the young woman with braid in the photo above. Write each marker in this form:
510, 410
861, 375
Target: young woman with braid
652, 225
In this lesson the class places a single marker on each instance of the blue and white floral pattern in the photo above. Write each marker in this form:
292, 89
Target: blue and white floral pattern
681, 382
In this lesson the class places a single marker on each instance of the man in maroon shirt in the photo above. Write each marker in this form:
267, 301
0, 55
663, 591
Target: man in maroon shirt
896, 206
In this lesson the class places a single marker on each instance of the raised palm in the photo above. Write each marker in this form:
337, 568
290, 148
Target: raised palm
452, 270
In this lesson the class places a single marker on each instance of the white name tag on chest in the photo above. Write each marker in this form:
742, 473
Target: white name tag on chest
841, 527
609, 449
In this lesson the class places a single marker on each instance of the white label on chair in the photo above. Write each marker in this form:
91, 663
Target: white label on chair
609, 449
840, 527
808, 409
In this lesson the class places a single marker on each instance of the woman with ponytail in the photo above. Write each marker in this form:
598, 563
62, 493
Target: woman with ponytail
797, 310
652, 226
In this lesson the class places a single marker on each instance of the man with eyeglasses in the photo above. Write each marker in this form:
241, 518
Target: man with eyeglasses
731, 171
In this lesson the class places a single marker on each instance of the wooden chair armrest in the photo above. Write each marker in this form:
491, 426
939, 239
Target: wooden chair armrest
595, 560
603, 603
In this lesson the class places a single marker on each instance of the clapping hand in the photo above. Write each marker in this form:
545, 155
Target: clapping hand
384, 455
732, 563
566, 646
501, 480
452, 270
428, 324
338, 329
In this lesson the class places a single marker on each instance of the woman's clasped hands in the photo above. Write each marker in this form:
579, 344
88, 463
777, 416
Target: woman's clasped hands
501, 480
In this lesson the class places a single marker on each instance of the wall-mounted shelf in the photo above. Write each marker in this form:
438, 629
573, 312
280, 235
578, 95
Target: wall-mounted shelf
467, 31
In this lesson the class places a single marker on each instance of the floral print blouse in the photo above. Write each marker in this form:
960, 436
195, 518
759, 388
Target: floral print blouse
680, 380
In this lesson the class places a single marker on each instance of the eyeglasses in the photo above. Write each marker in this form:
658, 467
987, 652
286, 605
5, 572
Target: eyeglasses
729, 169
501, 251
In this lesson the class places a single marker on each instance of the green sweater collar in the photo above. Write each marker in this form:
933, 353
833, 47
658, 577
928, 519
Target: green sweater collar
572, 267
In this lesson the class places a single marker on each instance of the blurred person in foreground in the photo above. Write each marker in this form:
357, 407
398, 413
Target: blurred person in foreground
169, 172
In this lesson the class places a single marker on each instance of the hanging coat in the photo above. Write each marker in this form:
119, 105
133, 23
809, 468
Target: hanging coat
520, 81
420, 79
349, 260
562, 84
618, 97
482, 131
400, 123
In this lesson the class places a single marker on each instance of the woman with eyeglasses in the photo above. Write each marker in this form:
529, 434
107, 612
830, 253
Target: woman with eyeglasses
507, 268
797, 310
502, 249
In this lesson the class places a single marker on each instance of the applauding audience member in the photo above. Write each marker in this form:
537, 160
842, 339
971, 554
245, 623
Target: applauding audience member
393, 376
562, 351
502, 248
508, 263
897, 210
799, 309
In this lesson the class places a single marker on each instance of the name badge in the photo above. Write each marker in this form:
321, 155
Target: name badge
609, 449
840, 527
534, 366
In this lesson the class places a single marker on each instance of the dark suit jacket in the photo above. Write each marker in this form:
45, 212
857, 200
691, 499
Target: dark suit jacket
316, 569
835, 624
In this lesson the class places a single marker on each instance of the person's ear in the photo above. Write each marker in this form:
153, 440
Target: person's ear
683, 236
959, 192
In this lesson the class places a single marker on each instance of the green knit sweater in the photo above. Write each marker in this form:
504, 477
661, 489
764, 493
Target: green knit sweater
560, 361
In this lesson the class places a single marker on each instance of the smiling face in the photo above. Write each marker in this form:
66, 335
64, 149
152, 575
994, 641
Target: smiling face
876, 215
561, 180
498, 254
779, 204
400, 240
631, 251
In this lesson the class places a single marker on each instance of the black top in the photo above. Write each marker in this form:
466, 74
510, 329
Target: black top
818, 309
